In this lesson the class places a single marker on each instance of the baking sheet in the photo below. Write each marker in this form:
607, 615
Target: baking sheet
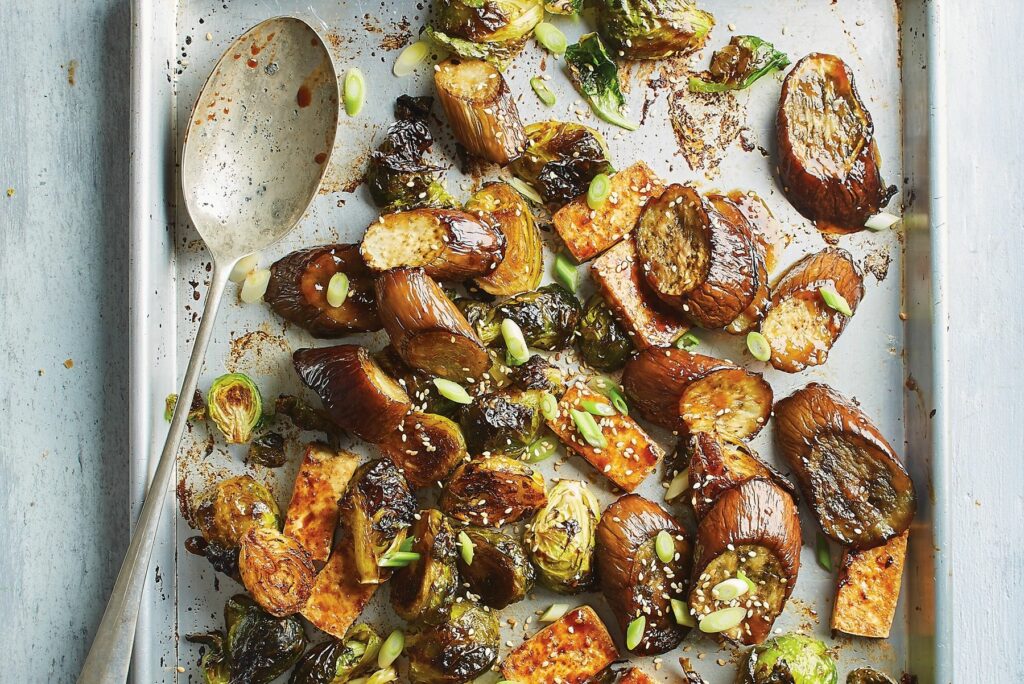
893, 369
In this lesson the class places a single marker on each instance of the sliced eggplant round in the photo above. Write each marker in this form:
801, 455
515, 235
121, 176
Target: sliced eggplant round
357, 395
828, 159
634, 579
655, 379
297, 291
500, 572
447, 244
859, 491
752, 529
799, 326
491, 492
423, 590
522, 267
426, 447
735, 215
426, 329
480, 108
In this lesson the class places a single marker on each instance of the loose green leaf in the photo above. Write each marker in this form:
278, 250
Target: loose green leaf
835, 301
526, 190
542, 90
596, 76
739, 64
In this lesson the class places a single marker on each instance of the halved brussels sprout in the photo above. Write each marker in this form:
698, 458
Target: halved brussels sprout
867, 675
538, 374
500, 573
561, 160
377, 509
255, 647
457, 650
596, 76
547, 316
653, 29
493, 491
277, 571
739, 64
426, 448
339, 660
425, 588
267, 450
561, 537
790, 658
492, 30
501, 423
196, 411
235, 406
228, 509
604, 344
522, 268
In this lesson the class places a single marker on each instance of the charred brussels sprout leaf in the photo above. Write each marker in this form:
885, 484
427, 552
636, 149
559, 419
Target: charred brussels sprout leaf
338, 661
256, 648
561, 159
492, 30
228, 509
197, 411
424, 589
493, 491
561, 537
547, 317
457, 650
739, 64
790, 658
267, 450
596, 76
866, 675
538, 374
306, 417
604, 344
501, 573
501, 423
235, 406
653, 29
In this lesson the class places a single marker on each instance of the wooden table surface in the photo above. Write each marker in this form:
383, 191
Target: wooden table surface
64, 314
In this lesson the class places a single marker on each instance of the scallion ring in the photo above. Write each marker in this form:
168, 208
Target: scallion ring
554, 612
687, 341
551, 38
244, 267
391, 649
679, 484
758, 346
541, 450
255, 286
542, 90
410, 58
729, 589
515, 343
566, 273
822, 553
597, 408
635, 632
354, 94
722, 620
599, 191
665, 546
835, 301
337, 290
548, 406
466, 547
751, 587
453, 391
681, 612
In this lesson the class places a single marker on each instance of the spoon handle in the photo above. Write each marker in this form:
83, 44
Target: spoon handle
111, 651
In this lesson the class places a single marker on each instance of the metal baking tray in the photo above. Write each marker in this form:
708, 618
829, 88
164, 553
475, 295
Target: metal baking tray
894, 367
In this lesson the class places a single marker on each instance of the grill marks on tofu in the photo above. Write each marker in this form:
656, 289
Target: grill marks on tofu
570, 650
869, 588
313, 511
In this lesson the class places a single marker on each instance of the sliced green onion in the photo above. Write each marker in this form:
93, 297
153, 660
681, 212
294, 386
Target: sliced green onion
398, 559
751, 587
391, 649
244, 267
355, 92
255, 286
554, 612
635, 632
337, 289
388, 674
597, 408
542, 90
881, 221
758, 346
665, 546
466, 547
541, 450
679, 484
599, 190
410, 58
722, 620
566, 273
406, 544
727, 590
526, 190
453, 391
836, 301
681, 612
551, 38
588, 428
548, 406
823, 553
515, 343
610, 389
687, 341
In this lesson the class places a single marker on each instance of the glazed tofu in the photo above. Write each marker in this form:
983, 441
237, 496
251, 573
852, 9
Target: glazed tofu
868, 589
635, 675
313, 511
338, 598
570, 650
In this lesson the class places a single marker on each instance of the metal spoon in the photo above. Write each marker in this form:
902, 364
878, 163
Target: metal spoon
256, 149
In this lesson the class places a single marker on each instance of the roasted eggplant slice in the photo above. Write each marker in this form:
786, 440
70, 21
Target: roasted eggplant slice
634, 579
297, 291
276, 570
859, 491
426, 329
480, 108
571, 650
500, 573
752, 529
447, 244
502, 423
739, 213
800, 327
423, 590
522, 267
561, 160
426, 447
868, 589
463, 646
491, 492
356, 393
828, 159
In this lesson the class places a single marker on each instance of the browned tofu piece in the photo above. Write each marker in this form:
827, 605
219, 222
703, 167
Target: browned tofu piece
648, 322
571, 650
869, 587
313, 511
338, 598
630, 454
636, 676
587, 232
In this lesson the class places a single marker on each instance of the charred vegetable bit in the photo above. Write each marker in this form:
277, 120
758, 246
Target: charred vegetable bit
739, 64
276, 570
267, 450
596, 76
502, 423
492, 30
196, 411
500, 573
306, 417
653, 29
561, 159
547, 317
790, 658
867, 675
423, 590
491, 492
604, 344
561, 537
338, 660
539, 374
235, 406
459, 649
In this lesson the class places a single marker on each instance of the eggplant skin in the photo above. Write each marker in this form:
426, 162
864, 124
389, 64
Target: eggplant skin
297, 291
426, 448
859, 491
654, 380
633, 580
828, 158
426, 329
357, 395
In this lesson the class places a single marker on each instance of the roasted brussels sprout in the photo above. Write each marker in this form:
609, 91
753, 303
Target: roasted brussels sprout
491, 492
561, 160
538, 374
425, 588
501, 423
790, 658
339, 660
277, 571
653, 29
267, 450
604, 344
522, 267
596, 76
635, 579
235, 406
397, 175
492, 30
500, 573
459, 649
306, 417
739, 64
377, 510
196, 411
228, 509
426, 448
568, 7
547, 316
867, 675
255, 647
561, 537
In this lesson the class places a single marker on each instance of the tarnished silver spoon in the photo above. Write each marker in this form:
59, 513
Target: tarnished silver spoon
256, 149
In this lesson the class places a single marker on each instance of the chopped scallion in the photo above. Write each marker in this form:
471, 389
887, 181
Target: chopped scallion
599, 190
565, 271
635, 632
355, 91
758, 346
453, 391
835, 301
337, 290
542, 90
588, 428
665, 546
551, 38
